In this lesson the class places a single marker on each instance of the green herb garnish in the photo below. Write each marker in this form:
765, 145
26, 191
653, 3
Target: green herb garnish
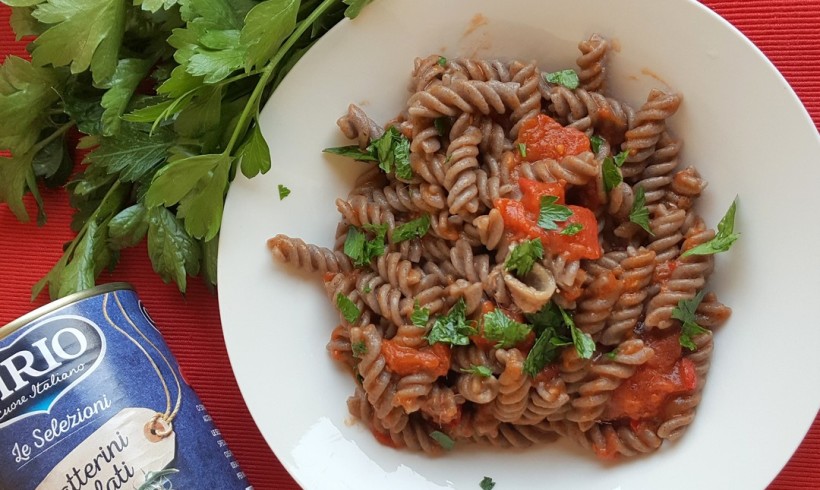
482, 371
567, 78
595, 143
552, 213
724, 238
416, 228
443, 440
359, 348
452, 328
420, 316
640, 213
362, 250
502, 329
348, 308
524, 256
686, 313
283, 191
572, 229
522, 150
391, 150
487, 483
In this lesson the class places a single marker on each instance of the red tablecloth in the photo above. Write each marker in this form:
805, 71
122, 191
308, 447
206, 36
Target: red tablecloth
788, 31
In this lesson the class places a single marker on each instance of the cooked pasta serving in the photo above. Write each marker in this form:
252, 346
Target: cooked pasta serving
521, 261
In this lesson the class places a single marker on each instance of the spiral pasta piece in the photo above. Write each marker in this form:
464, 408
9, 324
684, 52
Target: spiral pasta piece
357, 126
470, 96
650, 123
592, 63
308, 257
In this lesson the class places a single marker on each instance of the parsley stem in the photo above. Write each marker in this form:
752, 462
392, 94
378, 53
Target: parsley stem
267, 72
56, 134
71, 246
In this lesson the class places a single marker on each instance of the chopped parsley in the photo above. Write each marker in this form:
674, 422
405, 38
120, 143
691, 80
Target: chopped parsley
360, 249
595, 143
610, 170
348, 308
567, 78
522, 149
283, 191
482, 371
359, 348
551, 213
487, 483
612, 354
442, 61
572, 229
502, 329
452, 328
420, 315
724, 238
442, 125
416, 228
443, 440
640, 213
524, 256
391, 150
556, 330
685, 312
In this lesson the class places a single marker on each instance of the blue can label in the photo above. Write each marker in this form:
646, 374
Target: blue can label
92, 399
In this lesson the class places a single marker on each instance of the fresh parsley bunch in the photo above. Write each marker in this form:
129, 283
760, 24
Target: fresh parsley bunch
167, 95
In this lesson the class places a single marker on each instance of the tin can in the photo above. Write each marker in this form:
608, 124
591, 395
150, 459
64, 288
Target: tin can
92, 399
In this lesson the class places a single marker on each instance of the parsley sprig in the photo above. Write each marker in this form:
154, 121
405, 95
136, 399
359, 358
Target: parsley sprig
551, 213
524, 256
161, 160
685, 311
724, 238
556, 329
639, 214
502, 329
391, 150
567, 78
453, 327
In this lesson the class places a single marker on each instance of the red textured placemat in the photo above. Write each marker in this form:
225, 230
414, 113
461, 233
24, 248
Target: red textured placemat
787, 31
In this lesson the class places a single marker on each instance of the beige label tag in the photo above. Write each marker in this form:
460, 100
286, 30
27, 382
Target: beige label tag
118, 455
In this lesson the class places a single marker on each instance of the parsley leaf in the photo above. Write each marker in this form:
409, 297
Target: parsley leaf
416, 228
391, 150
504, 330
360, 249
254, 154
686, 313
524, 256
572, 229
198, 185
355, 7
173, 252
442, 61
584, 344
567, 78
128, 227
640, 213
452, 328
283, 191
612, 354
482, 371
359, 348
121, 87
443, 440
552, 212
522, 150
442, 125
724, 238
545, 351
132, 153
26, 94
595, 143
83, 35
420, 316
266, 27
487, 483
556, 330
348, 308
610, 170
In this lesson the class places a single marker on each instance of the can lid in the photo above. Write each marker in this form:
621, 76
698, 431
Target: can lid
12, 326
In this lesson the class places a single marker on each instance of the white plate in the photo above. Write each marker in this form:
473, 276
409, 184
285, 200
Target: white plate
745, 131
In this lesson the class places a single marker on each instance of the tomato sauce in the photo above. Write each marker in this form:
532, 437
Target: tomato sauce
645, 394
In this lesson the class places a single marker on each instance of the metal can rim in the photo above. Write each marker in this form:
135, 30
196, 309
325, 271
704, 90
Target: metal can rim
29, 317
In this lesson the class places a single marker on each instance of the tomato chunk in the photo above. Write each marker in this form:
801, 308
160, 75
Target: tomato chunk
405, 361
546, 138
